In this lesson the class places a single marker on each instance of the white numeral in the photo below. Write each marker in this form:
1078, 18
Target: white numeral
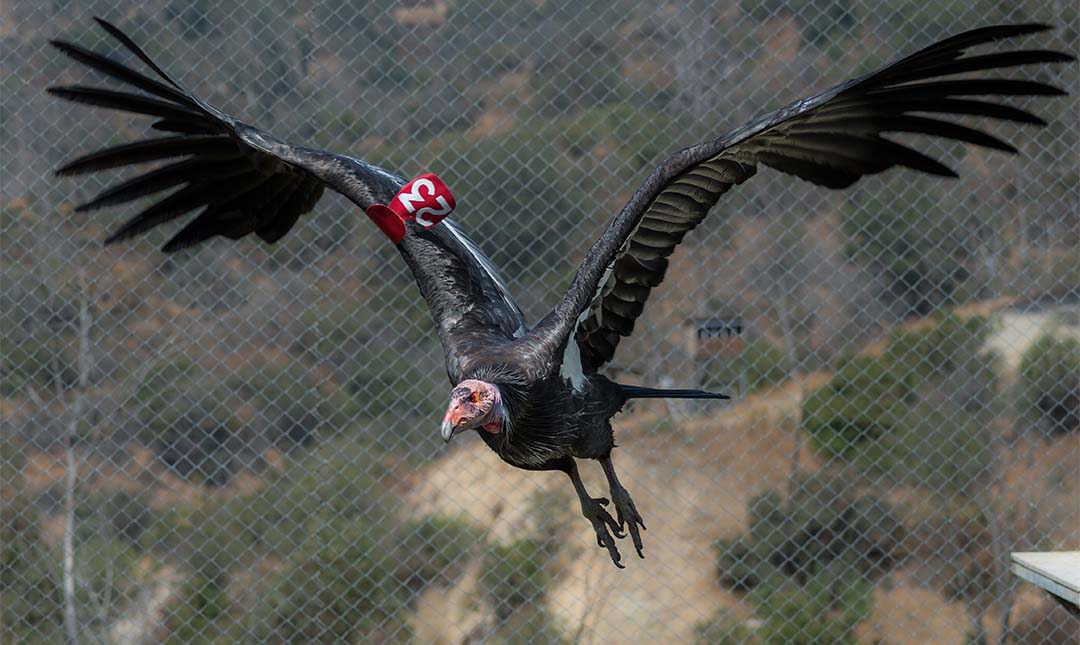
414, 196
427, 210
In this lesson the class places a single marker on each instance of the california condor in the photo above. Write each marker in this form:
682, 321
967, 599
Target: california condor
534, 393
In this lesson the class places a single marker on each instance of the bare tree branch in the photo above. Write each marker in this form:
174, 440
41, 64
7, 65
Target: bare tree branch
71, 619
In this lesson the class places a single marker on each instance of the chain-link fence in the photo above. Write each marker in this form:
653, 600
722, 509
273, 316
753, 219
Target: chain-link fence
239, 443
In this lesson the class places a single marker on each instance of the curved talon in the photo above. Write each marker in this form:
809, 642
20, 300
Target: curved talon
605, 541
604, 525
606, 517
629, 518
638, 546
602, 521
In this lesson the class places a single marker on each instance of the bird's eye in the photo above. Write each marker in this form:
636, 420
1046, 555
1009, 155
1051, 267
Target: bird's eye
474, 397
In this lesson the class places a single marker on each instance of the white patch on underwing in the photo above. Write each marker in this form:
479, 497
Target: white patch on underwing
571, 365
599, 291
571, 369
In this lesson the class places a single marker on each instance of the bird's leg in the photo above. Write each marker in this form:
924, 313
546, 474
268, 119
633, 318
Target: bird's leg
593, 510
629, 518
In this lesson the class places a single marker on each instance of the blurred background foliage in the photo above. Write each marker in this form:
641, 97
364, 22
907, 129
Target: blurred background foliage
257, 455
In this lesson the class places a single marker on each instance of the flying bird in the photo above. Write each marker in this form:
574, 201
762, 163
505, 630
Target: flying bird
534, 393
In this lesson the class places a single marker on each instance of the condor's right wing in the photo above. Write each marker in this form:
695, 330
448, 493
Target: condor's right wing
242, 180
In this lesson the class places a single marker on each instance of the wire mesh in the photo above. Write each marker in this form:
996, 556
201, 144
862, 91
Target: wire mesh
238, 443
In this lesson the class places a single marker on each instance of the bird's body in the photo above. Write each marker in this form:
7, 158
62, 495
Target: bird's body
551, 422
535, 393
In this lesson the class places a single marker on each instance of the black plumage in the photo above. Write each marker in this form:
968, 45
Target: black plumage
534, 393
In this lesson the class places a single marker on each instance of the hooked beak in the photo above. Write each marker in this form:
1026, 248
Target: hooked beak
447, 431
451, 423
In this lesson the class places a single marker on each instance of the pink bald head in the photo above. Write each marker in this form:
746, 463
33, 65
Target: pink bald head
473, 404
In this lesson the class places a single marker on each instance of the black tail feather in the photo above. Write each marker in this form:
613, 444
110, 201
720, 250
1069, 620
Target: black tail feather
636, 392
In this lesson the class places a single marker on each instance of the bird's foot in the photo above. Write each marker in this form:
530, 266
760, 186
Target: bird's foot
629, 518
604, 525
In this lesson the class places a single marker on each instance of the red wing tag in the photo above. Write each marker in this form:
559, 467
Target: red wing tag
425, 199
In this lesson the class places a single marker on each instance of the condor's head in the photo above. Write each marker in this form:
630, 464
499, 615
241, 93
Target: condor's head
474, 404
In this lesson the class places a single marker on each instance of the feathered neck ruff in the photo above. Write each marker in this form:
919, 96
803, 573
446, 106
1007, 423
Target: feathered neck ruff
537, 423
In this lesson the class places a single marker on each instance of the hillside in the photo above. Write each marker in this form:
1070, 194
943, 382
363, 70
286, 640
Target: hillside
698, 479
252, 429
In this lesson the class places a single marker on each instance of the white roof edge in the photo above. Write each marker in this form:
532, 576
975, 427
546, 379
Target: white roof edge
1058, 572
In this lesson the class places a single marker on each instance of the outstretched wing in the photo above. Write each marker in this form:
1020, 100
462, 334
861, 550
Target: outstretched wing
242, 180
831, 139
470, 303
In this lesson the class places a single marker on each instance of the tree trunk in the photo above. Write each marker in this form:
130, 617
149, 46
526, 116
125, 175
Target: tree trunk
71, 619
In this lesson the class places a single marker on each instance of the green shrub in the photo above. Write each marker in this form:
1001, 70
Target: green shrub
761, 363
637, 136
199, 425
527, 627
339, 329
203, 280
290, 408
360, 340
876, 410
195, 615
919, 237
31, 600
943, 448
823, 609
586, 76
326, 523
434, 550
820, 21
103, 571
207, 540
949, 345
514, 576
551, 515
338, 480
12, 461
348, 125
521, 172
187, 420
36, 361
115, 515
392, 384
340, 587
825, 521
859, 406
1050, 383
